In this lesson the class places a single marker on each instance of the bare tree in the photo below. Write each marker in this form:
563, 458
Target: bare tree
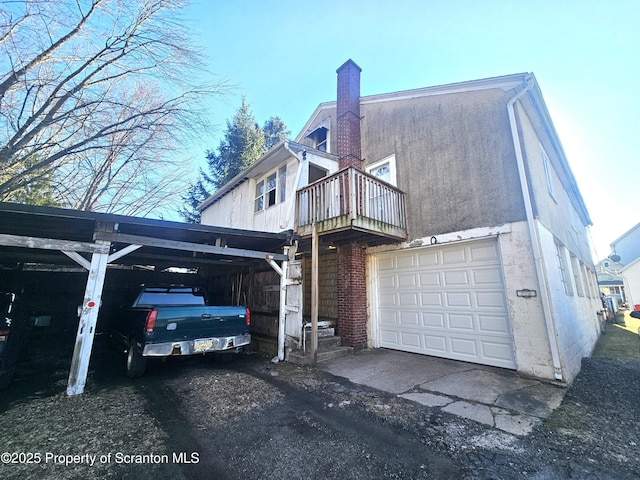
96, 97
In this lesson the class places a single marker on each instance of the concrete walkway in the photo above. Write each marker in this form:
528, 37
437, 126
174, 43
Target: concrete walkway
493, 396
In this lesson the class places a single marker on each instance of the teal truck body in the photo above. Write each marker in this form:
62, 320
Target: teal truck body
177, 320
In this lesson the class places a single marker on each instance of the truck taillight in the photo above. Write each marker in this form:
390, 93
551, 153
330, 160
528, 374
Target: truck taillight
150, 324
247, 317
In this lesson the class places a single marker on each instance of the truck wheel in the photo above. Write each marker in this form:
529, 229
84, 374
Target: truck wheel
136, 363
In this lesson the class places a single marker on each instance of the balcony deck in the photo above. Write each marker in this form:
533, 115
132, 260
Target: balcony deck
351, 200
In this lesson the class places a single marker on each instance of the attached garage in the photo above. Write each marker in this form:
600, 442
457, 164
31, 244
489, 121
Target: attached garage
446, 301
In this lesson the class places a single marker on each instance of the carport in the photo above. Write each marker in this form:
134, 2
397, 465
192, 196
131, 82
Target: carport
34, 235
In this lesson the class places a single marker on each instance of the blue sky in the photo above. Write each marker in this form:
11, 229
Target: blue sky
283, 56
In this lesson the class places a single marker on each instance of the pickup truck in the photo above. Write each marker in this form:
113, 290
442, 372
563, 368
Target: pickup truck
177, 320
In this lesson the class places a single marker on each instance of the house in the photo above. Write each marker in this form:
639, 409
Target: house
627, 249
611, 283
445, 220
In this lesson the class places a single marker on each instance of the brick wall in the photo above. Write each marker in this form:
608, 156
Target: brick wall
352, 295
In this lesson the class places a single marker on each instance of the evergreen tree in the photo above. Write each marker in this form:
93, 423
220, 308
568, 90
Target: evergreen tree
243, 143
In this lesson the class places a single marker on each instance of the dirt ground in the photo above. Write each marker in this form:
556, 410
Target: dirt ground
252, 419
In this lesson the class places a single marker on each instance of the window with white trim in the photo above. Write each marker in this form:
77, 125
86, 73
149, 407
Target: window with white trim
384, 169
271, 189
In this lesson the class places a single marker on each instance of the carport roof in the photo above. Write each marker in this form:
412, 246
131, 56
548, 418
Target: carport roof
164, 243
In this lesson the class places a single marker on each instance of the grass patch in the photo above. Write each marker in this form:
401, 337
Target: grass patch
620, 340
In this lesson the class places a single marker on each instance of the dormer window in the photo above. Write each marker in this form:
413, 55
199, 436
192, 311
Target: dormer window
320, 137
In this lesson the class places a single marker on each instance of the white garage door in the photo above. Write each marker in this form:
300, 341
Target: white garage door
446, 301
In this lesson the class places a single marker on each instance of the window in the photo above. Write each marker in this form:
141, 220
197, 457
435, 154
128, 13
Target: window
562, 265
384, 169
282, 183
271, 190
548, 175
577, 275
319, 138
259, 196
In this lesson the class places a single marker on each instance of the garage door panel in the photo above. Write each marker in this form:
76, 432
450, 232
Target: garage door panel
459, 299
453, 256
435, 344
493, 324
449, 302
484, 252
431, 299
433, 320
387, 282
410, 319
461, 322
409, 299
387, 264
390, 337
388, 299
388, 317
499, 353
456, 277
407, 280
405, 261
490, 300
430, 279
463, 347
487, 277
428, 259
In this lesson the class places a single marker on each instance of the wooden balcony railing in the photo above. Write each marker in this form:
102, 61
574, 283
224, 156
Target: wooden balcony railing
351, 199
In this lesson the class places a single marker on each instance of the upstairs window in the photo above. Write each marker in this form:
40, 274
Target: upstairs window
271, 189
319, 137
259, 204
384, 169
282, 183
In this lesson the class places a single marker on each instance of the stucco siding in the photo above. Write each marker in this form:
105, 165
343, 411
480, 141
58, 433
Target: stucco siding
533, 353
552, 207
575, 316
454, 156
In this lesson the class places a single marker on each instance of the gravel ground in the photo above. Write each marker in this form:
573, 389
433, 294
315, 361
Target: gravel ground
252, 419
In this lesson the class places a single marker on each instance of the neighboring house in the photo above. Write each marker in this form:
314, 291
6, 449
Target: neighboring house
627, 247
611, 283
448, 219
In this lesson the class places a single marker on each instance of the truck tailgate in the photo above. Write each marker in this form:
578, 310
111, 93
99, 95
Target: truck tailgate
175, 323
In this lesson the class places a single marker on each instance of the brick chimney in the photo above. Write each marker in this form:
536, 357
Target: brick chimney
351, 278
348, 116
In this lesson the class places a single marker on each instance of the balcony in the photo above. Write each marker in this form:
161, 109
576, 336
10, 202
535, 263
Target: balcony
352, 203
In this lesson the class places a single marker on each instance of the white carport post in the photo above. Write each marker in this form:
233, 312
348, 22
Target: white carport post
88, 318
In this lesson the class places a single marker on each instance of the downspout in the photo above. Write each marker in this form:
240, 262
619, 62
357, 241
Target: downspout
295, 185
533, 233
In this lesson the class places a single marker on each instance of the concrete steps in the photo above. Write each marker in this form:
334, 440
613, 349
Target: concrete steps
329, 346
